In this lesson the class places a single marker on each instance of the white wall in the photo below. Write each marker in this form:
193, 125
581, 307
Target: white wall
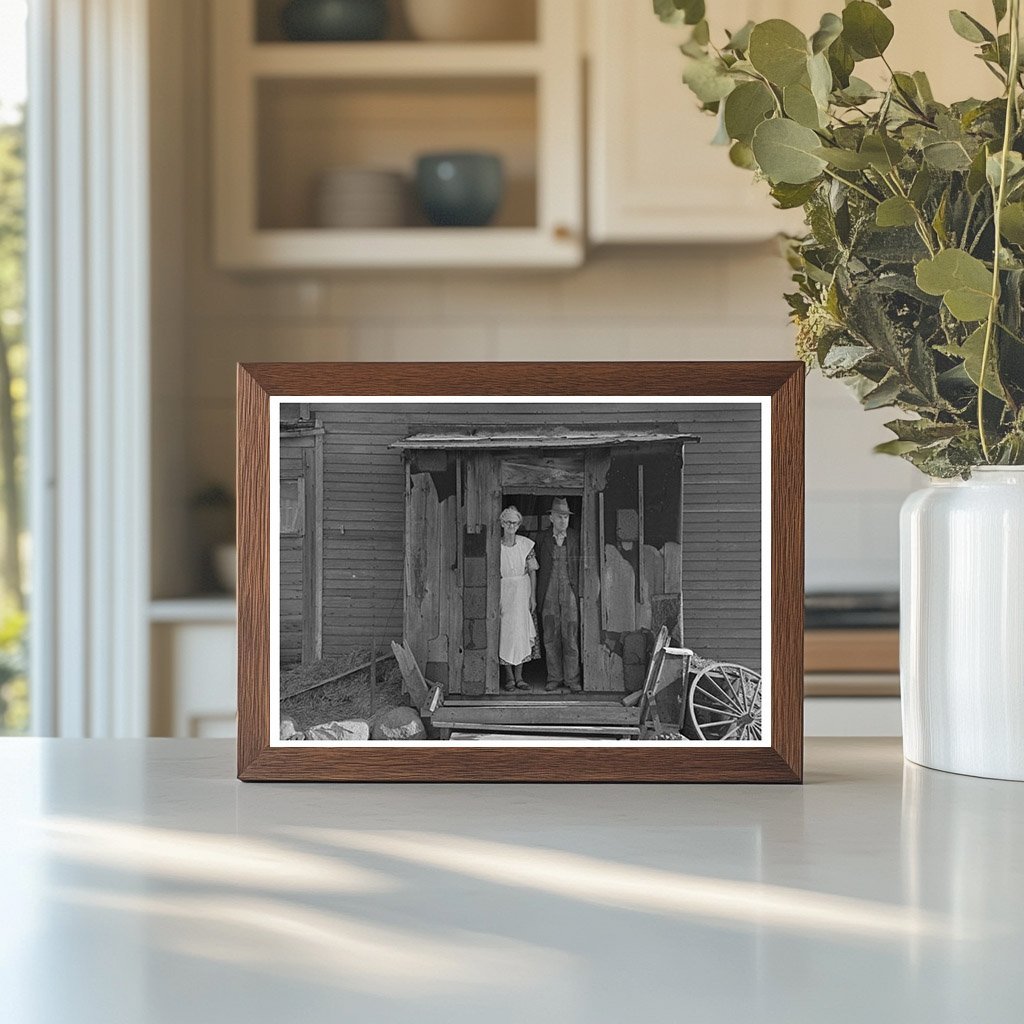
720, 302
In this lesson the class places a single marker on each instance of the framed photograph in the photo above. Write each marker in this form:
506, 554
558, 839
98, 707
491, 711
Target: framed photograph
520, 572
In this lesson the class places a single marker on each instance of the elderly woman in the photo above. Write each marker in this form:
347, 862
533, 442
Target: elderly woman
518, 635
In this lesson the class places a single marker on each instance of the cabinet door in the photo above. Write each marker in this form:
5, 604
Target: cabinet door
653, 175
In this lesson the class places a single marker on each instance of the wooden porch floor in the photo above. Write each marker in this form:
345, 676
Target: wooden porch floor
511, 713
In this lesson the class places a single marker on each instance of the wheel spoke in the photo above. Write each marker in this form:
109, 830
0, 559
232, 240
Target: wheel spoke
725, 698
719, 710
730, 683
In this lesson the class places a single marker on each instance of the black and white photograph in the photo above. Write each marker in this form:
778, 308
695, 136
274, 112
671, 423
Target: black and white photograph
543, 571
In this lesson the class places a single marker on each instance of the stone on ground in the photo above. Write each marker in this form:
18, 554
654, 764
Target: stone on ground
351, 729
399, 724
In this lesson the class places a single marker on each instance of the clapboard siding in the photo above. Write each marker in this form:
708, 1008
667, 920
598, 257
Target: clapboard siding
364, 510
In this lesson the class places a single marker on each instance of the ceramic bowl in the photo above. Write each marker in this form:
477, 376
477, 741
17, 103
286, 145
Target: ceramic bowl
334, 20
359, 197
460, 189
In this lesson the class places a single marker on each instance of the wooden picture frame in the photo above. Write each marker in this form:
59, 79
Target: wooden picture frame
780, 388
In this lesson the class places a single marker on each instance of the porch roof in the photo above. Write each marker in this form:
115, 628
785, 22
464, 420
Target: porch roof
556, 438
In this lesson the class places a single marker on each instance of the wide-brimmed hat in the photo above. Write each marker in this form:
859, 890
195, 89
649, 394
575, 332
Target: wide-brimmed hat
560, 505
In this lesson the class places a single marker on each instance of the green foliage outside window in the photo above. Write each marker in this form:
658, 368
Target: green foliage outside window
13, 414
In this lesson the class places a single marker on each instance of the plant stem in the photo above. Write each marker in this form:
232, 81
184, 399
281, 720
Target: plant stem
855, 187
922, 225
993, 308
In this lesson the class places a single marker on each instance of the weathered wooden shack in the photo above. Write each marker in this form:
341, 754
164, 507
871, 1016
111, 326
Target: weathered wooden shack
628, 485
357, 480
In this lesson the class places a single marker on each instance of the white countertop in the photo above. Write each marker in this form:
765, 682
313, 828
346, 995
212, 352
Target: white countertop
143, 884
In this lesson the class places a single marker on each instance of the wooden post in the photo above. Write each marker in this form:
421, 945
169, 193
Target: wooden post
682, 475
373, 674
642, 587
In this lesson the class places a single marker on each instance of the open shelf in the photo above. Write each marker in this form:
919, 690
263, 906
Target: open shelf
393, 60
308, 127
520, 16
287, 113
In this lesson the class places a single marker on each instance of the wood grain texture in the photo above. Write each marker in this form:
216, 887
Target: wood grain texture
852, 650
668, 762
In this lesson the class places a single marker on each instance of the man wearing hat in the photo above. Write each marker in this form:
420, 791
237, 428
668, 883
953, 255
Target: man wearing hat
558, 590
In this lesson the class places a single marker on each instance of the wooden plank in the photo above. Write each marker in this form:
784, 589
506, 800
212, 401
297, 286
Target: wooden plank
491, 510
309, 651
455, 652
584, 713
601, 562
682, 500
318, 541
544, 438
552, 732
618, 588
556, 473
590, 600
415, 685
643, 609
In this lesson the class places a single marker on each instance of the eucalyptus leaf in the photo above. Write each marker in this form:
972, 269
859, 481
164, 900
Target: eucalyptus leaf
866, 29
963, 281
994, 168
885, 394
708, 81
895, 212
883, 153
844, 159
842, 61
789, 197
829, 30
972, 352
741, 155
895, 447
745, 108
969, 28
785, 151
800, 105
739, 41
976, 173
820, 76
858, 91
946, 156
921, 185
721, 136
779, 51
1012, 223
675, 12
924, 87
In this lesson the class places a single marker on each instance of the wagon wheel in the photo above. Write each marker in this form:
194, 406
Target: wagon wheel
725, 703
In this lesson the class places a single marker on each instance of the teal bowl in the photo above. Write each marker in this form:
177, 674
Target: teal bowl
460, 190
334, 21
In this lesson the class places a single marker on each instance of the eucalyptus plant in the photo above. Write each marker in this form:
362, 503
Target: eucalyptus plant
910, 278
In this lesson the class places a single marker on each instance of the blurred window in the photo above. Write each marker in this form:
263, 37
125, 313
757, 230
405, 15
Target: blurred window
14, 546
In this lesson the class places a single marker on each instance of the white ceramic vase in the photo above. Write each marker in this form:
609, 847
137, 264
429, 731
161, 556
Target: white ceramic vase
962, 624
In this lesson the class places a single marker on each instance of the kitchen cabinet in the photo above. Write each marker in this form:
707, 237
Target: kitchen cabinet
287, 113
193, 655
653, 175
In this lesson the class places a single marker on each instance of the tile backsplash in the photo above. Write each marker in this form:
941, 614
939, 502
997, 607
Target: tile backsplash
718, 302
